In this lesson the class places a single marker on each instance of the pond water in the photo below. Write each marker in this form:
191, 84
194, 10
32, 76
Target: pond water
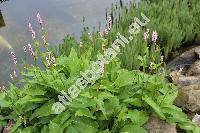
61, 17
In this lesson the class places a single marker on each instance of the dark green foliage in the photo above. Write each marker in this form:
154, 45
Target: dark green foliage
124, 98
121, 101
176, 22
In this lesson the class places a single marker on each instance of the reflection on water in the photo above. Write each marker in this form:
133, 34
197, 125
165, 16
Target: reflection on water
62, 17
2, 23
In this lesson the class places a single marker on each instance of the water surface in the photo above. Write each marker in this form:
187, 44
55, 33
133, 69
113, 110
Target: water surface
61, 17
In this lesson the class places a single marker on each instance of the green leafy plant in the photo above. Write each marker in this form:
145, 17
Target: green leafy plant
121, 101
124, 98
176, 22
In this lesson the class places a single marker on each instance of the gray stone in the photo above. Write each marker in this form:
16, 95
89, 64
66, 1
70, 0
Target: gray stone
185, 59
196, 119
189, 98
155, 125
197, 51
194, 70
187, 81
8, 127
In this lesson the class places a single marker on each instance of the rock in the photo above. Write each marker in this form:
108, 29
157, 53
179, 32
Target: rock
196, 119
187, 81
155, 125
197, 51
186, 58
181, 80
194, 70
189, 98
8, 126
175, 75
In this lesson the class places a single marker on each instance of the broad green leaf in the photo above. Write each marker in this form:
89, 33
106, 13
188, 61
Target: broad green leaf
130, 128
44, 110
112, 106
29, 98
3, 123
154, 106
105, 95
84, 112
137, 117
196, 129
83, 102
55, 128
74, 63
122, 114
107, 85
169, 96
16, 125
175, 114
100, 105
134, 101
44, 120
71, 129
86, 125
29, 129
187, 126
61, 118
124, 78
45, 129
67, 123
3, 101
35, 91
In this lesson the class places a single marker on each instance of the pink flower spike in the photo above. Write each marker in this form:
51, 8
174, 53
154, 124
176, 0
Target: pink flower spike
106, 32
13, 57
39, 18
32, 53
146, 35
15, 73
30, 49
154, 36
12, 53
24, 49
30, 28
11, 76
33, 35
109, 23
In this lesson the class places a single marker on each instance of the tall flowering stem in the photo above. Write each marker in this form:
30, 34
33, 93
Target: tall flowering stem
30, 28
31, 51
109, 23
41, 22
13, 58
35, 42
154, 36
146, 35
50, 60
105, 32
39, 18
